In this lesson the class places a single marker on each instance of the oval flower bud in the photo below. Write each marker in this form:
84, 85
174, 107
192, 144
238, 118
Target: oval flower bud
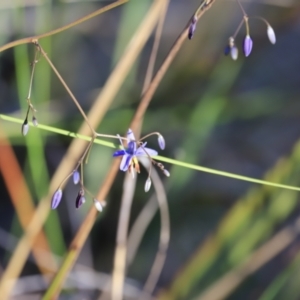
35, 121
166, 172
192, 28
76, 177
247, 45
25, 127
234, 52
98, 205
147, 184
56, 198
79, 199
161, 142
271, 35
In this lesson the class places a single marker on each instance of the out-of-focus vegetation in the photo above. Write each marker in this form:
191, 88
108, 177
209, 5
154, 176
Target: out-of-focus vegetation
237, 116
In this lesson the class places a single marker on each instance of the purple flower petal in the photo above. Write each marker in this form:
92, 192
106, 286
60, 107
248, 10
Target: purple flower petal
131, 148
119, 153
56, 198
247, 46
125, 162
130, 135
144, 151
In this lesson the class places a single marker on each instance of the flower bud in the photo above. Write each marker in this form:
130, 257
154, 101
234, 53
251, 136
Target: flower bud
166, 172
56, 198
25, 127
98, 205
234, 52
227, 50
247, 45
271, 34
79, 199
161, 142
35, 121
76, 177
147, 184
192, 28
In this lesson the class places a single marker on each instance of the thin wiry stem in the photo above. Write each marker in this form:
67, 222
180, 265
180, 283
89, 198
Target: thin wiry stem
65, 86
29, 40
164, 235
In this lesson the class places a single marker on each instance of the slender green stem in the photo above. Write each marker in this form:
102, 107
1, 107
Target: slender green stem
159, 158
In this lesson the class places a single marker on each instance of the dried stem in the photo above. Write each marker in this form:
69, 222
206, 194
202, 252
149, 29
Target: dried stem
65, 86
164, 235
231, 280
164, 67
29, 40
119, 270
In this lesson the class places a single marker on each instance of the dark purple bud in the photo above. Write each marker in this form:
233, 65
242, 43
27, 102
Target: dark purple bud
161, 142
56, 199
192, 28
227, 50
247, 46
80, 199
76, 177
25, 127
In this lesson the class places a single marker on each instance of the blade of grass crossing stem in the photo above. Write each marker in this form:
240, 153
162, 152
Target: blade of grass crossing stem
160, 158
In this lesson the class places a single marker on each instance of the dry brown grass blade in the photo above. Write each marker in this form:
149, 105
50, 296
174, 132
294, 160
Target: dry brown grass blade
164, 235
120, 258
102, 104
22, 201
163, 69
77, 146
231, 280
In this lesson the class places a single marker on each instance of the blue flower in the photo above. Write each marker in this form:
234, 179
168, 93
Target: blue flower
131, 153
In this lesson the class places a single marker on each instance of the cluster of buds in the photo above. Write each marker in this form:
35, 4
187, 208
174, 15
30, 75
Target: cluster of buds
130, 154
136, 149
80, 199
247, 42
25, 125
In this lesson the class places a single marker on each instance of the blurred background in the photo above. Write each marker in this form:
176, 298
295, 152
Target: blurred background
236, 116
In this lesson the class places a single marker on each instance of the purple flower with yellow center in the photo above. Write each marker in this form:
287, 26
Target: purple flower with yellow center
132, 152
